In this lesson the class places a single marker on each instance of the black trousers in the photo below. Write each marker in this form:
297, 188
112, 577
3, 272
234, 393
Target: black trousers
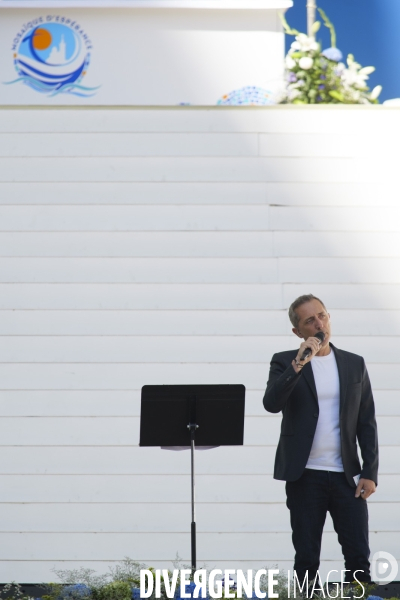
309, 499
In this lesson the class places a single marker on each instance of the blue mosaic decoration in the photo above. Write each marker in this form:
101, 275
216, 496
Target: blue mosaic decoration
250, 95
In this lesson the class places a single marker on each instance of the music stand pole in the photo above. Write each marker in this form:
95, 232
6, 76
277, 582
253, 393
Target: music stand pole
192, 427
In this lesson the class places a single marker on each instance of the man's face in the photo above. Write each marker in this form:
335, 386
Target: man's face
313, 318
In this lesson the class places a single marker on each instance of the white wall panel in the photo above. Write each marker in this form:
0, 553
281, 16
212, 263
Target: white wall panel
177, 349
189, 144
123, 376
145, 244
144, 296
196, 270
145, 461
346, 120
190, 322
146, 192
317, 144
129, 144
151, 349
386, 402
113, 460
155, 517
140, 546
199, 192
147, 517
355, 296
57, 296
335, 218
89, 489
196, 169
339, 270
221, 488
165, 246
216, 243
152, 322
133, 218
199, 270
140, 270
352, 243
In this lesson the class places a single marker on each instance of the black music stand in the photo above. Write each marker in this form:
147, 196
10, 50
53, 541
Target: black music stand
195, 415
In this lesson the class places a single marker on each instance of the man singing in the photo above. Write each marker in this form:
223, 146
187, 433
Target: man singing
327, 404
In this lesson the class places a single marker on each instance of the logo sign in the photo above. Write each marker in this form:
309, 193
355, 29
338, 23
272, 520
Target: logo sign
52, 55
384, 567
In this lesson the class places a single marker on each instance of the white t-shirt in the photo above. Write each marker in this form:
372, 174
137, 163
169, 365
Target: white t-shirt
325, 452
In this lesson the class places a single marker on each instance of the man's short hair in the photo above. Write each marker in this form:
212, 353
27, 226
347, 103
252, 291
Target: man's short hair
293, 316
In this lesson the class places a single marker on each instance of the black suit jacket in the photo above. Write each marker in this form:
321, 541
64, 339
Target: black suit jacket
296, 396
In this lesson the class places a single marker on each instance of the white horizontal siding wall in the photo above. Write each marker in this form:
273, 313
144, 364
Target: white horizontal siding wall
165, 246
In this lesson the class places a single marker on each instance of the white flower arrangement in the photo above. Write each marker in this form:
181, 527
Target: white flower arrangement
314, 76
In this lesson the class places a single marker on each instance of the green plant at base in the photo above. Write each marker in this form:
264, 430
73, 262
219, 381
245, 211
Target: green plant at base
53, 591
127, 570
116, 590
88, 577
357, 590
12, 590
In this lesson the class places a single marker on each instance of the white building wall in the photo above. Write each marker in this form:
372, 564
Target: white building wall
151, 52
165, 246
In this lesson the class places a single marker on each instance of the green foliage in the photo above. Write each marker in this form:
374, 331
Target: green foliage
361, 591
352, 590
286, 26
328, 23
127, 570
12, 590
88, 577
316, 27
116, 590
337, 95
117, 584
318, 77
282, 586
53, 591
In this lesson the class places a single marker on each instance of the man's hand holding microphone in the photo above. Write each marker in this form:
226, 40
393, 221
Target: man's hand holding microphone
308, 349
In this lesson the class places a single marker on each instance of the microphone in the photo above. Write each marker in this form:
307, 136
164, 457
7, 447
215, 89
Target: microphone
321, 336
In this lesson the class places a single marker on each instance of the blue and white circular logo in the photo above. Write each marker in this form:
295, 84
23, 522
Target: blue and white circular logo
53, 58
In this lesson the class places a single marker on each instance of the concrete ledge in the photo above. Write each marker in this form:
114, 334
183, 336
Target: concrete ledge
286, 107
177, 4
